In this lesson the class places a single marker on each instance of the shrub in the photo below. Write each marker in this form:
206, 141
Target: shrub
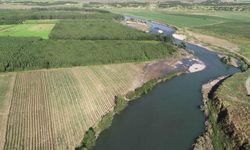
106, 122
120, 104
89, 140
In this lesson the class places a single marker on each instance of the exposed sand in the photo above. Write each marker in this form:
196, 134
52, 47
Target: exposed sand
137, 25
179, 36
248, 86
196, 67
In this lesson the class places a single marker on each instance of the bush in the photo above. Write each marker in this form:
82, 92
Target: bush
89, 140
120, 104
106, 122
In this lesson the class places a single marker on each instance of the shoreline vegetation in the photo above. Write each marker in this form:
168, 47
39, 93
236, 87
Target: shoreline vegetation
121, 102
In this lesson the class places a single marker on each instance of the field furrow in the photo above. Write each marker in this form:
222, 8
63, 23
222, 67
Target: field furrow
52, 109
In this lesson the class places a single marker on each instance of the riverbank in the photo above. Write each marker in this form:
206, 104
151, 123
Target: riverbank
227, 113
221, 46
155, 72
122, 102
206, 140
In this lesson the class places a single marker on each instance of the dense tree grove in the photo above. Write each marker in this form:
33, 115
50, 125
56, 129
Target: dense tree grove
80, 38
34, 53
18, 16
97, 29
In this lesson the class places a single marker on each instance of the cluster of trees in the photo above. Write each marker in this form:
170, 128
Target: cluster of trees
18, 16
97, 29
130, 4
215, 6
34, 53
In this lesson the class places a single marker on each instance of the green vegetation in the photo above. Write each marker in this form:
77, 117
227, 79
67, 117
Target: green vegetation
106, 122
92, 29
44, 21
89, 140
26, 30
175, 19
232, 26
34, 53
120, 104
19, 16
232, 94
219, 139
236, 31
80, 37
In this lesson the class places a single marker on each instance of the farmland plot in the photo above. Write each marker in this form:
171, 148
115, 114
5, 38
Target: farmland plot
6, 88
52, 109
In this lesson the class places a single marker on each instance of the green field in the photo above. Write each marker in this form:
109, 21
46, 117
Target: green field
97, 29
172, 18
43, 21
232, 26
27, 30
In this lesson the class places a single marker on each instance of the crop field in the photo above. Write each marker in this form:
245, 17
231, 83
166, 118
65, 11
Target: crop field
91, 29
27, 30
233, 95
6, 86
52, 109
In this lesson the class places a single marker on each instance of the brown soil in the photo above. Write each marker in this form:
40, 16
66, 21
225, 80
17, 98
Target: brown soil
161, 68
4, 112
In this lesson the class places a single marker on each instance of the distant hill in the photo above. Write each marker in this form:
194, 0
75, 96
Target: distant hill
123, 1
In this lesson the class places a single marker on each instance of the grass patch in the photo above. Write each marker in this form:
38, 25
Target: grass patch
236, 32
92, 29
26, 30
176, 19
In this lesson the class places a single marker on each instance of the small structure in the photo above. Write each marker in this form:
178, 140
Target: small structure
248, 86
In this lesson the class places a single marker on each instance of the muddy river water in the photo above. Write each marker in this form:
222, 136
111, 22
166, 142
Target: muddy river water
169, 117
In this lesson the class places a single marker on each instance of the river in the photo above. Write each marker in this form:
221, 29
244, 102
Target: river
169, 117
